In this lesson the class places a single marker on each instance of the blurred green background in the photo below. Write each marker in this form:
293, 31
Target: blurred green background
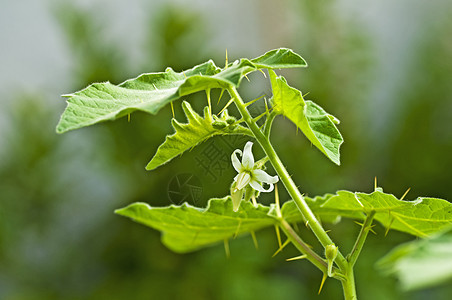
383, 68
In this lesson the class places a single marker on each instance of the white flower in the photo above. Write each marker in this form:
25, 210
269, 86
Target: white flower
249, 174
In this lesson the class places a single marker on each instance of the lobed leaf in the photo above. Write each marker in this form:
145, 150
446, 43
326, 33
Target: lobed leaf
197, 130
187, 228
291, 213
317, 125
422, 263
150, 92
421, 217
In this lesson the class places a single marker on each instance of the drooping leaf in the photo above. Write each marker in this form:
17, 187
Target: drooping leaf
317, 125
150, 92
421, 217
197, 130
187, 228
422, 263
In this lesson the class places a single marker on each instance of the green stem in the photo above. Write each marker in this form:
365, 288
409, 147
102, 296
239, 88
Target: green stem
353, 256
348, 285
268, 124
303, 247
290, 186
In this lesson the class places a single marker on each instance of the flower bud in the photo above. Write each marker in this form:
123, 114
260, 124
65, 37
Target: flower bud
330, 254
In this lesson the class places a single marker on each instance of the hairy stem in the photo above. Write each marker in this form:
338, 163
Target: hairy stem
290, 186
353, 256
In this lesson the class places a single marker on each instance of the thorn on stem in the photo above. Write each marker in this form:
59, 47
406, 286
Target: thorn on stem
403, 196
226, 248
282, 247
256, 244
297, 257
278, 235
323, 281
172, 110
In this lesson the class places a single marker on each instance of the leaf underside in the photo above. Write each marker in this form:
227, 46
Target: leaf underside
150, 92
317, 125
186, 228
197, 130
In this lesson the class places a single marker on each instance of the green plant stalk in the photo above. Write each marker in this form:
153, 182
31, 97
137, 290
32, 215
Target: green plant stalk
293, 191
348, 285
356, 250
348, 281
313, 257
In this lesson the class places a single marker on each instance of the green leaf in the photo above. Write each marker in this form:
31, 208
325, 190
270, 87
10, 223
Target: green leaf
150, 92
291, 213
279, 59
186, 228
197, 130
421, 263
317, 125
421, 217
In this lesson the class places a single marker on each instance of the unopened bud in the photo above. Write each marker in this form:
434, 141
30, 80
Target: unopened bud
330, 254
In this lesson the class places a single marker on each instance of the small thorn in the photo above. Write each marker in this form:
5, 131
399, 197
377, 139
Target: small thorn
128, 118
246, 77
259, 117
184, 74
278, 207
371, 230
256, 244
359, 202
226, 248
172, 110
155, 87
297, 257
323, 281
405, 193
327, 231
282, 247
237, 230
360, 224
226, 62
375, 183
254, 100
307, 223
389, 226
253, 199
305, 94
221, 95
226, 106
208, 100
265, 76
278, 235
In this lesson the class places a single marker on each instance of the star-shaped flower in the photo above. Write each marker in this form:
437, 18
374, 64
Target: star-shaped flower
249, 174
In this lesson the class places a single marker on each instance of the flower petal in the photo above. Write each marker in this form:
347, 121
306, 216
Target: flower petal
248, 159
235, 161
242, 180
262, 176
258, 187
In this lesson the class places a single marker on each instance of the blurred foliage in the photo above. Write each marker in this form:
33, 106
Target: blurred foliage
59, 238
